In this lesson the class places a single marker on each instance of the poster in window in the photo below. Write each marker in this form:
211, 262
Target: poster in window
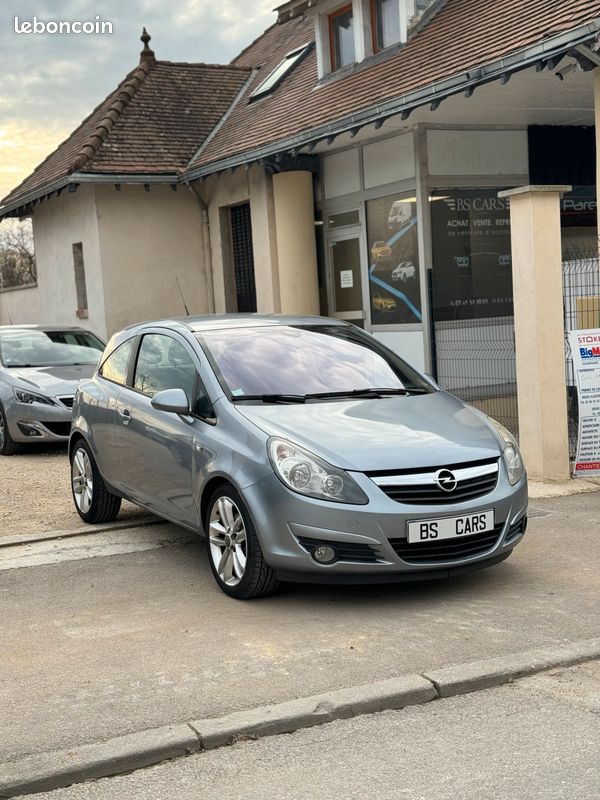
472, 263
394, 281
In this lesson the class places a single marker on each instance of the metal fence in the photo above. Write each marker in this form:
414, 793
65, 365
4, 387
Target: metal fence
581, 302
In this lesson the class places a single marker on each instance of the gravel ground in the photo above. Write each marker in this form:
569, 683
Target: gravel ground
35, 494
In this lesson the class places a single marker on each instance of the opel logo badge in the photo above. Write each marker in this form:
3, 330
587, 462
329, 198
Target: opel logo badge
446, 480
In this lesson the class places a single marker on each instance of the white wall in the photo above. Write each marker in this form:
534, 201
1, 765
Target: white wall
409, 345
471, 152
389, 160
243, 186
341, 173
147, 241
57, 225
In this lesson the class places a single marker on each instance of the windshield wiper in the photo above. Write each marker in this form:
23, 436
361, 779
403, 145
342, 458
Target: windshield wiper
366, 393
271, 398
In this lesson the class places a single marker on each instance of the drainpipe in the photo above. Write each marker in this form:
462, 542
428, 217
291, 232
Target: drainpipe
208, 276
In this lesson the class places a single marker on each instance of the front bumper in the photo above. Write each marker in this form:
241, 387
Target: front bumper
37, 422
373, 537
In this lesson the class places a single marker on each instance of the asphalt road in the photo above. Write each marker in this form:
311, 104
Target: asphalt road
537, 739
100, 646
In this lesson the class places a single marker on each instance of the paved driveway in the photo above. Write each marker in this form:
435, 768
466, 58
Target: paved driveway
35, 493
108, 645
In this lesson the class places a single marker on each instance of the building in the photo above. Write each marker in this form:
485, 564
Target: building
348, 161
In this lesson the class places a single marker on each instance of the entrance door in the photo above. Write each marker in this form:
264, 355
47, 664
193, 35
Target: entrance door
346, 295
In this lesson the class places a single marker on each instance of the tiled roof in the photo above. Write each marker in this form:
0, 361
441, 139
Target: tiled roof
153, 123
463, 34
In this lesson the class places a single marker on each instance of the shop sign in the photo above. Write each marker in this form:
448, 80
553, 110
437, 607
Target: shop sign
585, 348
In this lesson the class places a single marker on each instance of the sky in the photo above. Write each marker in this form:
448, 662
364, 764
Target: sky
50, 82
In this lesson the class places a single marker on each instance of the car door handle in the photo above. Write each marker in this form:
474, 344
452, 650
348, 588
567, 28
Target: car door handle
125, 417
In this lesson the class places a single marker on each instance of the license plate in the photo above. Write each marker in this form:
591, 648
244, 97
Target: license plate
432, 530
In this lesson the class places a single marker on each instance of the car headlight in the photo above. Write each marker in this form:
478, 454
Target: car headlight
30, 397
309, 475
510, 453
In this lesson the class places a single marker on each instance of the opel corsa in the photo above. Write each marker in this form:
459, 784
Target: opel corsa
301, 447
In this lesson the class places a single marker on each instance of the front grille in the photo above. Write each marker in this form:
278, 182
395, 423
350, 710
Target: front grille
446, 549
420, 487
58, 428
346, 551
67, 401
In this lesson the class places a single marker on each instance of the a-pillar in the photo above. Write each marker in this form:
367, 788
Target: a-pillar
539, 329
293, 198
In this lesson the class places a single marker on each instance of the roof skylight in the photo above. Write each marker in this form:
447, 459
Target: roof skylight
281, 70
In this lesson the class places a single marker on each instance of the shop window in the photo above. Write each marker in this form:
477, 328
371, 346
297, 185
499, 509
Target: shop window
394, 278
472, 263
385, 23
343, 219
341, 37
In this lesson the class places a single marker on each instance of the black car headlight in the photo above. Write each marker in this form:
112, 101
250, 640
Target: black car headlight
29, 398
310, 475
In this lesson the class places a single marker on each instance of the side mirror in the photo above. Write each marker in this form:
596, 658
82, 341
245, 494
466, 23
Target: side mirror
173, 401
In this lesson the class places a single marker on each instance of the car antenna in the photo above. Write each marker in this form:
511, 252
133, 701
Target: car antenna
187, 313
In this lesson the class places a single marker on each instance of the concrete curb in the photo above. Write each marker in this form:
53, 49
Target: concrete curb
255, 723
474, 677
50, 536
61, 768
58, 769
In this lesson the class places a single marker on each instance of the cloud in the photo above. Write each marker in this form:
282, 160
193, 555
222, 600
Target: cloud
51, 82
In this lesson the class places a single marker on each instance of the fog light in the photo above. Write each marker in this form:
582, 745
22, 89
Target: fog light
324, 554
27, 430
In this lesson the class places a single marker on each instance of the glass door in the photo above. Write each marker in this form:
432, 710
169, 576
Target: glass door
346, 296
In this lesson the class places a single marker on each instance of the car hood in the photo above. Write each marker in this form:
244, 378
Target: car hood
51, 381
392, 433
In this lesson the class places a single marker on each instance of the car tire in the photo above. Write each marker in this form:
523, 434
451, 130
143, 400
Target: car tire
234, 552
8, 446
93, 501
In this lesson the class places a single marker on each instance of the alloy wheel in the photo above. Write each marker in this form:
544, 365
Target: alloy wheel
82, 479
2, 430
228, 541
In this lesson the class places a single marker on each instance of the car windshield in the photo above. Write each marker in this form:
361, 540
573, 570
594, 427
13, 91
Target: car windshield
297, 362
35, 348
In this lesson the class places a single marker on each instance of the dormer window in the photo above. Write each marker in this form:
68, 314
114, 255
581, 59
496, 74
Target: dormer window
272, 81
342, 42
386, 23
347, 33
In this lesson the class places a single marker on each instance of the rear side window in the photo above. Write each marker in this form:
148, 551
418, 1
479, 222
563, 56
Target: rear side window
115, 367
164, 363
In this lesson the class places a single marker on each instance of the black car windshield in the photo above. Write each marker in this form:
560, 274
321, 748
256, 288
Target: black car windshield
296, 362
36, 348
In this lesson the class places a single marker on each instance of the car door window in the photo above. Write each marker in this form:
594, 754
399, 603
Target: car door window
114, 367
164, 363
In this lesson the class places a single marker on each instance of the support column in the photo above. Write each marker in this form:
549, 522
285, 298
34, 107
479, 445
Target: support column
296, 244
539, 330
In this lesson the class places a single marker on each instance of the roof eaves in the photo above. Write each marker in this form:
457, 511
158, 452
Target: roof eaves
437, 91
22, 205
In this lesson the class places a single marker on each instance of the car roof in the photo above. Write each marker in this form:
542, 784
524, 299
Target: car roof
198, 324
49, 328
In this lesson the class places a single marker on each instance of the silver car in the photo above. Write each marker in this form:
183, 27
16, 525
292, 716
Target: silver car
40, 370
301, 447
